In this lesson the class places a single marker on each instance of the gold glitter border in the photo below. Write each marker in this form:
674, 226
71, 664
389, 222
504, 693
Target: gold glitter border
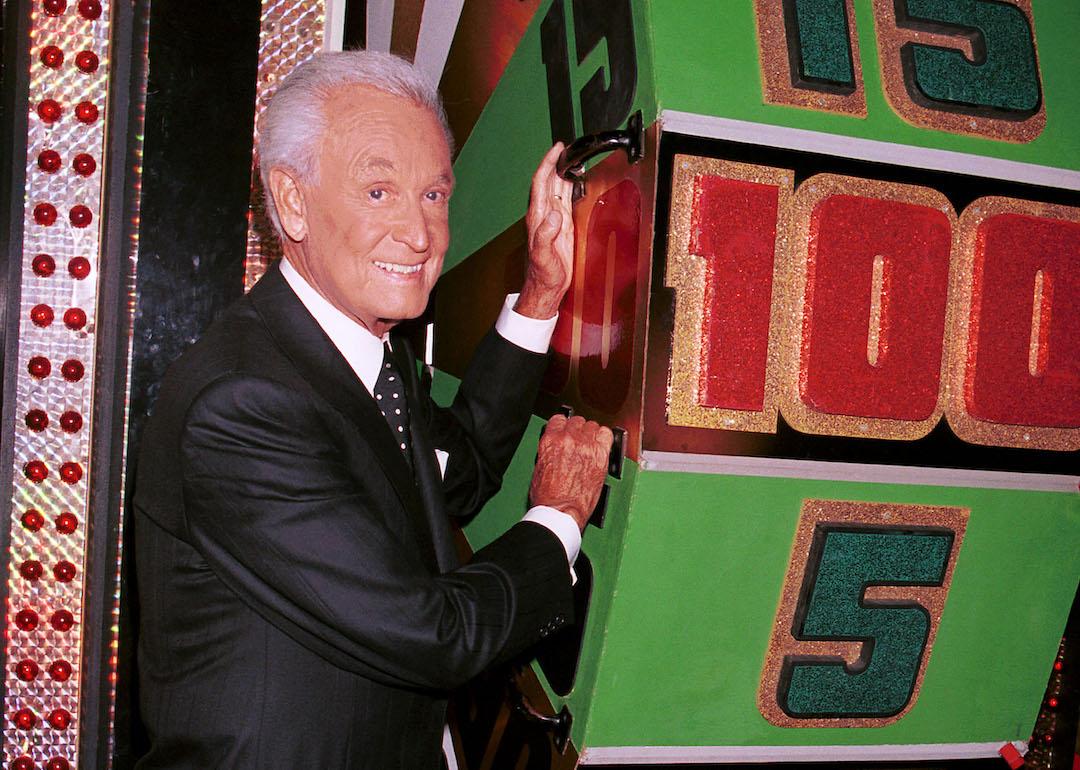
965, 426
776, 75
890, 39
931, 598
685, 273
796, 412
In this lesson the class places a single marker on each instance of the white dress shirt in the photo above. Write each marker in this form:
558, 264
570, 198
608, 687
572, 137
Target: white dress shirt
364, 353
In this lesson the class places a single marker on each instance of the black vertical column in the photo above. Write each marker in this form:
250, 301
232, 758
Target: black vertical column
200, 102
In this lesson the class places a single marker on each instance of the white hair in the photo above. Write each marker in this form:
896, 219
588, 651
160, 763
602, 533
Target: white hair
293, 124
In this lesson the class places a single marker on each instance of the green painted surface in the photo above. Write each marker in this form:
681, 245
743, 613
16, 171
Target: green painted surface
495, 167
706, 62
703, 565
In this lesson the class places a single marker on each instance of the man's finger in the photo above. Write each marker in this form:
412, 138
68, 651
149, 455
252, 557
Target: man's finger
556, 421
606, 437
545, 172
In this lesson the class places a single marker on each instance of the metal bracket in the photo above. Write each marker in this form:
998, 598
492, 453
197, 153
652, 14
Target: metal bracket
558, 725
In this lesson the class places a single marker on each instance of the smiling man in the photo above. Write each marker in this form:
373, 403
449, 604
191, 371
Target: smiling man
302, 604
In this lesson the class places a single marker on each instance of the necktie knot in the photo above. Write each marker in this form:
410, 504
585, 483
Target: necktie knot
390, 398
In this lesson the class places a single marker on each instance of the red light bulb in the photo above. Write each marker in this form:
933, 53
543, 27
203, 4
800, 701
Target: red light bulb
80, 216
79, 268
64, 571
45, 214
71, 473
49, 161
86, 112
49, 110
72, 370
26, 620
36, 471
60, 670
39, 367
43, 265
62, 620
57, 763
54, 7
66, 523
22, 763
24, 719
89, 9
74, 318
52, 57
87, 61
31, 569
41, 315
71, 422
59, 719
83, 164
32, 520
37, 420
27, 670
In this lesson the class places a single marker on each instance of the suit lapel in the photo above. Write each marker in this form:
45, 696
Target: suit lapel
329, 374
426, 469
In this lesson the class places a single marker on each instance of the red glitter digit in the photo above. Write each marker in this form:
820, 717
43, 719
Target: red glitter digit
1018, 258
609, 304
836, 375
733, 227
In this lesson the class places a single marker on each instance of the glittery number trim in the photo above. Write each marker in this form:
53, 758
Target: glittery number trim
809, 55
723, 260
1016, 341
870, 269
937, 74
861, 605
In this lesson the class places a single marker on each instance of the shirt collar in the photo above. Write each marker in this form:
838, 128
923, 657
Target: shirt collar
362, 350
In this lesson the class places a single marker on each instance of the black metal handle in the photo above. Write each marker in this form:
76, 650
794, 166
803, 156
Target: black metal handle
558, 725
571, 164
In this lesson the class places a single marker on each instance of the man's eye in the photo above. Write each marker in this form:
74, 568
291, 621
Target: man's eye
377, 194
435, 195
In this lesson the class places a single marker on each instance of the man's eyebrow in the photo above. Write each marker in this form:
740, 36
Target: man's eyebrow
377, 162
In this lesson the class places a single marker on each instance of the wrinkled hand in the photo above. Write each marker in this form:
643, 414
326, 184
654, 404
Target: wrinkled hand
571, 466
550, 223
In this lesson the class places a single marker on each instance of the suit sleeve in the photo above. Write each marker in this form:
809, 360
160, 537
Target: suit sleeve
483, 427
311, 542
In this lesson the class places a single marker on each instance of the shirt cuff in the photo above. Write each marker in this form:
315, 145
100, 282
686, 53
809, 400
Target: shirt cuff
529, 333
563, 526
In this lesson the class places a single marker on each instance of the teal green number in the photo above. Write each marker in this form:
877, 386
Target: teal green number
843, 562
819, 43
1003, 77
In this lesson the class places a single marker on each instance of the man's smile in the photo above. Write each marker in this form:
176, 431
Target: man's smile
393, 267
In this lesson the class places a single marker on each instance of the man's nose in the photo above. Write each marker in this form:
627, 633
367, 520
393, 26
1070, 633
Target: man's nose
412, 228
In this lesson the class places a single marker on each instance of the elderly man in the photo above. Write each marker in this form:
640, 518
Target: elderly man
301, 601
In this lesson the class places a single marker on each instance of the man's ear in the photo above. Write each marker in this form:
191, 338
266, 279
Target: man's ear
289, 202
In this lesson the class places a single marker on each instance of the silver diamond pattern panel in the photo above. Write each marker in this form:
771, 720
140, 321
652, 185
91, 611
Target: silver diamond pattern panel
75, 27
291, 32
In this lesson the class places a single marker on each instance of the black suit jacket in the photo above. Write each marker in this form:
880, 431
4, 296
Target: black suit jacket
301, 603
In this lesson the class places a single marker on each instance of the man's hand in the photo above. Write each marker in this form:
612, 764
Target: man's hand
571, 466
550, 222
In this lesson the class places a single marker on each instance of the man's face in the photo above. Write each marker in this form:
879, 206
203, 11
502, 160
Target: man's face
376, 223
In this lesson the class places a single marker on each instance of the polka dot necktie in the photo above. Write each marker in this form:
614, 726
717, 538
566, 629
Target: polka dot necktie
390, 397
